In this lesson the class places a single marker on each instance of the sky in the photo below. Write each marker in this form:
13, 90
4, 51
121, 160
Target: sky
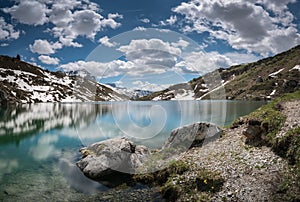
146, 44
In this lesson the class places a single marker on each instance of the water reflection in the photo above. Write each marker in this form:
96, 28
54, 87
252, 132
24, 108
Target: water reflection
76, 178
144, 122
42, 140
17, 123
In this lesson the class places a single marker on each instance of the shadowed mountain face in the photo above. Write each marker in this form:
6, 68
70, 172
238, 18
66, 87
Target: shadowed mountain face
21, 82
265, 79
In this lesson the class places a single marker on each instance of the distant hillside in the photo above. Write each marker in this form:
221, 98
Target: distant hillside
21, 82
265, 79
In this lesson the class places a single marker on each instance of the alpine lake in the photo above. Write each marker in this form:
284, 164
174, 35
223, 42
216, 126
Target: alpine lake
39, 143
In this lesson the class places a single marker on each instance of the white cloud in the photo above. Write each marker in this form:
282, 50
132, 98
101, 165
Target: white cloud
83, 23
48, 60
69, 41
4, 44
240, 58
181, 43
154, 55
170, 21
105, 41
98, 69
29, 12
145, 20
86, 23
140, 29
69, 19
145, 85
148, 44
114, 15
44, 47
7, 31
201, 62
243, 24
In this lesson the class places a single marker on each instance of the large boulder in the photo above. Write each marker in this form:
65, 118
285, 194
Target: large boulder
192, 135
110, 157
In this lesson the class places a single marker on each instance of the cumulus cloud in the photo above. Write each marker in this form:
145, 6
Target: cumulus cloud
44, 47
181, 43
86, 23
105, 41
149, 44
98, 69
243, 24
202, 62
146, 85
69, 19
170, 21
152, 54
29, 12
155, 56
7, 31
145, 20
241, 58
48, 60
139, 28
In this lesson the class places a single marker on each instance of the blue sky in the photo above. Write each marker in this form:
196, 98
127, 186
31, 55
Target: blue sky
146, 44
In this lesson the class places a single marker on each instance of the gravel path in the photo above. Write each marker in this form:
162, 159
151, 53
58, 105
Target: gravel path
250, 173
292, 111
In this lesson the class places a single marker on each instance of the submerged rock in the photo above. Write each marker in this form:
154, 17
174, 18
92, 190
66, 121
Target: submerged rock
192, 135
113, 156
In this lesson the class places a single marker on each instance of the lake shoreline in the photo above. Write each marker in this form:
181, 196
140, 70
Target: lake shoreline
250, 172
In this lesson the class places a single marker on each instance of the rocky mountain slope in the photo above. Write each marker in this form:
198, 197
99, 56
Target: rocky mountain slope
265, 79
21, 82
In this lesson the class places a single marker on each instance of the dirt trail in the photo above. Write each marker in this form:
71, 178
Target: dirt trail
250, 173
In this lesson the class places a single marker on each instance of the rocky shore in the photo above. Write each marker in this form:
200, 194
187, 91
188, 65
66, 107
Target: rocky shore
250, 173
253, 160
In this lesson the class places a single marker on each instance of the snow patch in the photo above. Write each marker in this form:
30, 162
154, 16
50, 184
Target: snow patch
297, 67
273, 92
275, 73
186, 95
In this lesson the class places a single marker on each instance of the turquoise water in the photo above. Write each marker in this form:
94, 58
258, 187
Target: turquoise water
39, 143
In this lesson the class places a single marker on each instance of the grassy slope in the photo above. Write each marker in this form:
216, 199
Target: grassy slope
287, 146
245, 85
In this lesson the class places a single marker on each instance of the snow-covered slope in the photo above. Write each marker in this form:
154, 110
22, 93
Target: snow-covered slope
21, 82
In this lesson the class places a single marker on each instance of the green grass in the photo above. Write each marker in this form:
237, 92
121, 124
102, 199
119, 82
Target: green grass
174, 185
270, 117
287, 146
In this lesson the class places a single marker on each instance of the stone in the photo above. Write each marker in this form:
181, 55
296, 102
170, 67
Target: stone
104, 159
192, 135
255, 132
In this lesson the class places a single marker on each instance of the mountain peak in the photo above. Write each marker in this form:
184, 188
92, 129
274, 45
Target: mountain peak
21, 82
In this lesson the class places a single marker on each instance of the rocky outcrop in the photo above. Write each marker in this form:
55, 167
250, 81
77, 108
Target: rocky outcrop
255, 132
192, 135
3, 100
110, 157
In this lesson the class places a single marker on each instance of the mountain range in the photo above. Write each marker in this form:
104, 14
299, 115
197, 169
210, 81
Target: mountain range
262, 80
21, 82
